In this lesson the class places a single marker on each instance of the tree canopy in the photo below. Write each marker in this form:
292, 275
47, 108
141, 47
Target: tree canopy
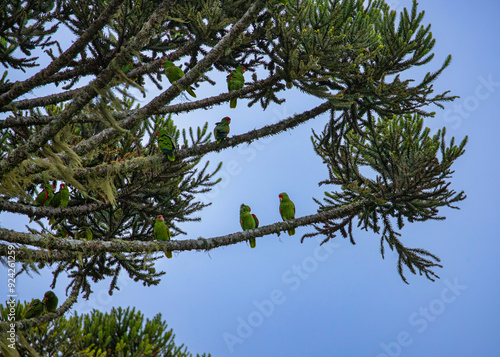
82, 125
121, 332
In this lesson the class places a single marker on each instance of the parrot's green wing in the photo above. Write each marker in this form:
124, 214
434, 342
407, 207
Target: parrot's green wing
44, 197
56, 201
287, 210
248, 221
162, 233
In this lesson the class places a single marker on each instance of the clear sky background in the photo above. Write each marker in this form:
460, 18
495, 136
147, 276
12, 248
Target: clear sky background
285, 298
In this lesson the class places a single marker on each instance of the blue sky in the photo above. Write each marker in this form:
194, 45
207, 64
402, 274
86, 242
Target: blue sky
293, 299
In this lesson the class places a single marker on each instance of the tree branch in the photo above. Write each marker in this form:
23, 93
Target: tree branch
122, 245
143, 163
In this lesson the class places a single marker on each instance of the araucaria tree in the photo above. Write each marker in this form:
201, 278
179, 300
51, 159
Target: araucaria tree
126, 164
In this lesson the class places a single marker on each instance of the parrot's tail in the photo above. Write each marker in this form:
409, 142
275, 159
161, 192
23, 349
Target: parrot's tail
190, 91
168, 254
253, 244
232, 104
291, 232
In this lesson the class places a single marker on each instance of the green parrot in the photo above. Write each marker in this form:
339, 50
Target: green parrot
235, 80
174, 73
222, 129
128, 67
35, 309
248, 221
50, 301
45, 197
287, 210
162, 233
166, 144
60, 199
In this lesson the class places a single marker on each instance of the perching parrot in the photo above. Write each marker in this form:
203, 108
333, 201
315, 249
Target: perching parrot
174, 73
222, 129
162, 233
128, 67
166, 144
35, 309
61, 199
287, 210
45, 197
248, 221
235, 80
50, 301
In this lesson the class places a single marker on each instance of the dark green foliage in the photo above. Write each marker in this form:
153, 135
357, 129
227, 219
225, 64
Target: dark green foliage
122, 332
401, 172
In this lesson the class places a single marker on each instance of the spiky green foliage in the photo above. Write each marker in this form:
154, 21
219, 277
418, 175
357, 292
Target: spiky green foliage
122, 332
401, 172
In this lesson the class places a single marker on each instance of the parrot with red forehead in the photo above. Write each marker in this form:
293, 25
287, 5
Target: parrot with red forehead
235, 80
128, 67
174, 73
166, 144
248, 221
287, 210
162, 233
45, 197
50, 301
61, 198
222, 129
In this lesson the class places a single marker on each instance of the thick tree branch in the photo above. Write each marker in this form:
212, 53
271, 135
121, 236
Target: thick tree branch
123, 245
16, 207
46, 256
